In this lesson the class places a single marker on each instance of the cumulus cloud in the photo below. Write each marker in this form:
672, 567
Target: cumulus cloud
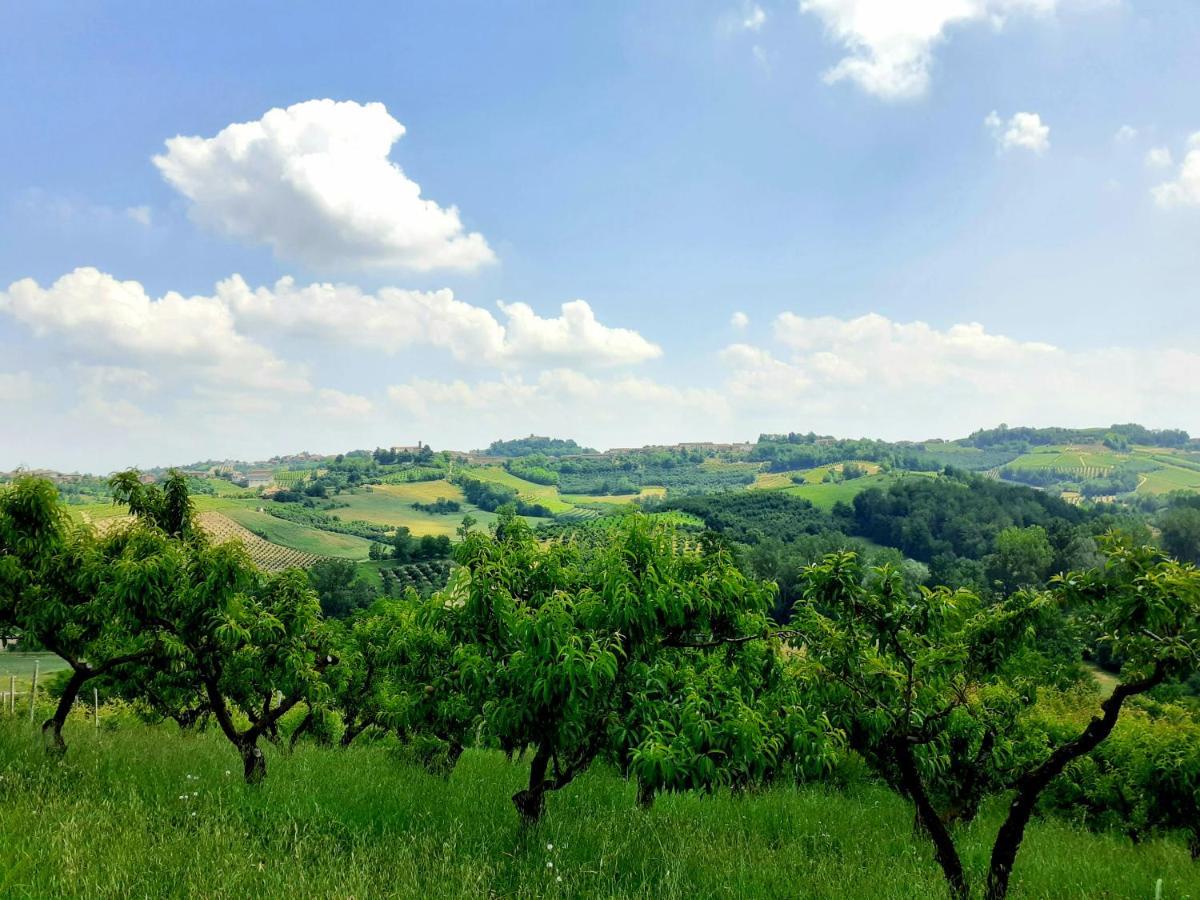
314, 182
1125, 134
118, 321
1184, 189
872, 375
392, 318
1024, 131
890, 44
139, 214
739, 320
599, 411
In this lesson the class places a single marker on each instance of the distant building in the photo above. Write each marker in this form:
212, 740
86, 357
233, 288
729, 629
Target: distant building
416, 449
259, 477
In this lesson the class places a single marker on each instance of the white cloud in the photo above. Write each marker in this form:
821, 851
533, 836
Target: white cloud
1125, 134
117, 321
139, 214
1023, 131
600, 412
314, 181
739, 320
754, 18
391, 319
1158, 157
890, 43
1184, 190
871, 375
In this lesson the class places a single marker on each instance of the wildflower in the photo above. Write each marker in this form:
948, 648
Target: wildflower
549, 846
195, 793
558, 878
193, 815
549, 865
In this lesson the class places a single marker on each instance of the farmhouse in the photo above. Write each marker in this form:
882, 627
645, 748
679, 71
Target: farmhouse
259, 477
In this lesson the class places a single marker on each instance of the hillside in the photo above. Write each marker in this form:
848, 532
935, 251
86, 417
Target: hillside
356, 506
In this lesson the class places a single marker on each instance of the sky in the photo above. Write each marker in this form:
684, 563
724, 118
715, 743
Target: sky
235, 230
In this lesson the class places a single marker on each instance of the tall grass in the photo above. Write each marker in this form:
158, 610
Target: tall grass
147, 812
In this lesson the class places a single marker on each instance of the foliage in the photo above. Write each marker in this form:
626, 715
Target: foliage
575, 646
440, 506
490, 497
535, 446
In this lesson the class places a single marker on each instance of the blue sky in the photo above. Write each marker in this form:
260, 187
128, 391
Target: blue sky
908, 265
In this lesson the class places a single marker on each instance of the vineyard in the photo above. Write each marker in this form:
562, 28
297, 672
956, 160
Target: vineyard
267, 556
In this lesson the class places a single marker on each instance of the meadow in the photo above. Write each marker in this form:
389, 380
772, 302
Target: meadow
142, 811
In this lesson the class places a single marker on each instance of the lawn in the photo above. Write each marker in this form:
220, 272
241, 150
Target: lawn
140, 811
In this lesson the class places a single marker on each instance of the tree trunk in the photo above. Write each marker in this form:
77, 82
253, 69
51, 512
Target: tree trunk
530, 803
352, 731
1029, 788
254, 764
645, 798
52, 727
453, 754
1194, 845
300, 730
943, 844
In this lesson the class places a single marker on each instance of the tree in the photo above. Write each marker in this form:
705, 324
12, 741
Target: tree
338, 586
929, 684
571, 645
73, 591
251, 645
1022, 558
1181, 533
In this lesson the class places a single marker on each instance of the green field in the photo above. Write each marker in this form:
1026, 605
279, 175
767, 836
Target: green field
1074, 457
154, 813
392, 505
545, 494
22, 665
297, 536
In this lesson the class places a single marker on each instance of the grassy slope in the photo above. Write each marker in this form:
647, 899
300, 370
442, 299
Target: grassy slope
361, 823
21, 666
297, 536
1174, 472
391, 504
546, 494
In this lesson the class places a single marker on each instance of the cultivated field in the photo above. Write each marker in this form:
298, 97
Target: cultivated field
267, 555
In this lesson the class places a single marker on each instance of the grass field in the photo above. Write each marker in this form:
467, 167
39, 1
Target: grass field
22, 665
775, 480
391, 505
144, 812
297, 536
545, 494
